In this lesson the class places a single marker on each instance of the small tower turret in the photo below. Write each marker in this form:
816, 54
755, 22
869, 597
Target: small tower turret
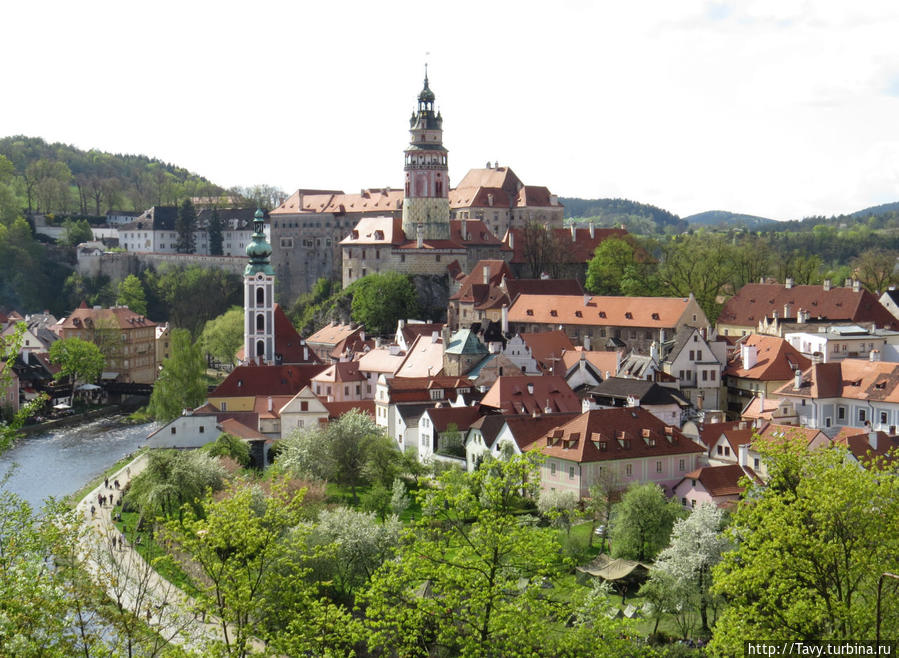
259, 296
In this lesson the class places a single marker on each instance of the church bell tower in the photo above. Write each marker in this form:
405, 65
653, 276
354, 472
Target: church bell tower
426, 200
259, 297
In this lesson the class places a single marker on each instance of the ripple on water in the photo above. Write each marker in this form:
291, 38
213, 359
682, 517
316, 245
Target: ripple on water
59, 462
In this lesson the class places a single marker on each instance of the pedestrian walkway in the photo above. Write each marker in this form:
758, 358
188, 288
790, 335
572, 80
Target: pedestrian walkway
128, 579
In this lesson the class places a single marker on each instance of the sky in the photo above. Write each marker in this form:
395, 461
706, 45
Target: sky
781, 108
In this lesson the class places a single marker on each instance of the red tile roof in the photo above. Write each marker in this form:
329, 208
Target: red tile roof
335, 201
461, 417
755, 301
333, 333
528, 395
342, 371
651, 312
547, 348
721, 480
610, 434
238, 429
118, 316
246, 381
857, 379
526, 429
857, 441
337, 409
288, 342
777, 360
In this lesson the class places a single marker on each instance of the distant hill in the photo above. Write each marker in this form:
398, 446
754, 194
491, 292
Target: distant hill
729, 219
882, 209
60, 178
636, 217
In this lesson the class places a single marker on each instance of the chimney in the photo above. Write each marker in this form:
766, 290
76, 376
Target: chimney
654, 351
847, 283
488, 165
269, 402
827, 285
419, 236
490, 200
856, 285
573, 232
661, 337
587, 299
505, 318
486, 274
305, 353
743, 450
800, 316
788, 283
872, 439
511, 239
762, 401
548, 408
587, 342
435, 336
530, 388
874, 355
797, 380
787, 310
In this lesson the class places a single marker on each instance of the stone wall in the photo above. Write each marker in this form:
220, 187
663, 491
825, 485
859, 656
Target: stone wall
118, 265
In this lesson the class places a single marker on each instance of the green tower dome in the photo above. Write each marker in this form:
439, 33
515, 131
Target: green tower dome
259, 251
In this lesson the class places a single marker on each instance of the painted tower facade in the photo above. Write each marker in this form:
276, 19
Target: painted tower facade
259, 297
426, 201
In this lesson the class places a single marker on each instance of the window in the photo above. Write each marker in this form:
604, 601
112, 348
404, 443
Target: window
174, 430
680, 465
628, 470
224, 406
571, 472
841, 413
720, 450
202, 430
699, 355
705, 375
755, 463
552, 468
883, 417
658, 467
692, 355
693, 502
713, 375
683, 501
862, 415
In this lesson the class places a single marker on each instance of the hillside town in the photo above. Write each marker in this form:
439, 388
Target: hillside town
516, 360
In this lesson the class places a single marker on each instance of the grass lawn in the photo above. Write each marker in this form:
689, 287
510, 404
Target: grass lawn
150, 551
339, 494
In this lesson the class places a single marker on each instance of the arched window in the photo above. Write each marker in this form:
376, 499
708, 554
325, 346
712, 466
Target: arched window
260, 322
260, 296
260, 348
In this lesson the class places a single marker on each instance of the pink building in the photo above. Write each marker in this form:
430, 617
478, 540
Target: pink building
717, 485
628, 444
342, 382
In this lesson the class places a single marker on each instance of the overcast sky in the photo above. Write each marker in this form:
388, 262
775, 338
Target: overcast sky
782, 109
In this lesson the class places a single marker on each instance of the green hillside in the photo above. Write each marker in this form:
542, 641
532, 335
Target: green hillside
723, 218
636, 217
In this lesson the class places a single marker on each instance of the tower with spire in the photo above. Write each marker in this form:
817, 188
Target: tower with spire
259, 297
426, 212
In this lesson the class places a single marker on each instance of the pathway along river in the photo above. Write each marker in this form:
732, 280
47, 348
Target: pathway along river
61, 461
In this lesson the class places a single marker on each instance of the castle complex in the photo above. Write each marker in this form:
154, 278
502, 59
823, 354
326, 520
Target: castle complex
423, 228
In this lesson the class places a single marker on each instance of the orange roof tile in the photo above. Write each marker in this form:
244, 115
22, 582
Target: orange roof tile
118, 316
610, 434
547, 348
857, 379
653, 312
776, 360
528, 395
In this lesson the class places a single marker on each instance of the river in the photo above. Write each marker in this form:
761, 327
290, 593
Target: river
59, 462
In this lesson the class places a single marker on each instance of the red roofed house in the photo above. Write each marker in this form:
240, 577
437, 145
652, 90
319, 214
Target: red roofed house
522, 394
342, 382
245, 383
635, 321
761, 366
395, 396
865, 446
330, 337
495, 434
716, 485
761, 304
547, 348
577, 246
127, 340
632, 443
442, 431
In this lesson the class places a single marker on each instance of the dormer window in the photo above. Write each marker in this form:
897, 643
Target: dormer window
629, 315
554, 313
602, 314
655, 316
530, 311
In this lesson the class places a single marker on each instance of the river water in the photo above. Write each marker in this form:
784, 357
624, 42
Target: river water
59, 462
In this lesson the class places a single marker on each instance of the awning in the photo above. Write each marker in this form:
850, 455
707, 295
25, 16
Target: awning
88, 387
109, 375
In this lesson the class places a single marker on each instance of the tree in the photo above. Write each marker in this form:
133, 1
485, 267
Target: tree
10, 427
642, 522
243, 546
810, 547
223, 336
874, 268
173, 479
190, 296
341, 451
604, 493
215, 234
472, 569
399, 501
78, 359
228, 445
609, 266
697, 544
180, 385
558, 506
75, 232
698, 264
541, 249
185, 225
349, 546
379, 300
131, 294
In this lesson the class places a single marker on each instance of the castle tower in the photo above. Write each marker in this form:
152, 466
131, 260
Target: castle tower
259, 297
426, 201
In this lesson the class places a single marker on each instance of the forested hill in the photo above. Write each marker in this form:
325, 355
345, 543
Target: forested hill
727, 219
60, 178
636, 217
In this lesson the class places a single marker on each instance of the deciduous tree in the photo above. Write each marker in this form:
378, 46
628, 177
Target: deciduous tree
180, 385
132, 295
78, 359
223, 336
642, 522
379, 300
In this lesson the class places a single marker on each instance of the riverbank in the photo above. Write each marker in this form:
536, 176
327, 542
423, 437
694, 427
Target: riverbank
74, 419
